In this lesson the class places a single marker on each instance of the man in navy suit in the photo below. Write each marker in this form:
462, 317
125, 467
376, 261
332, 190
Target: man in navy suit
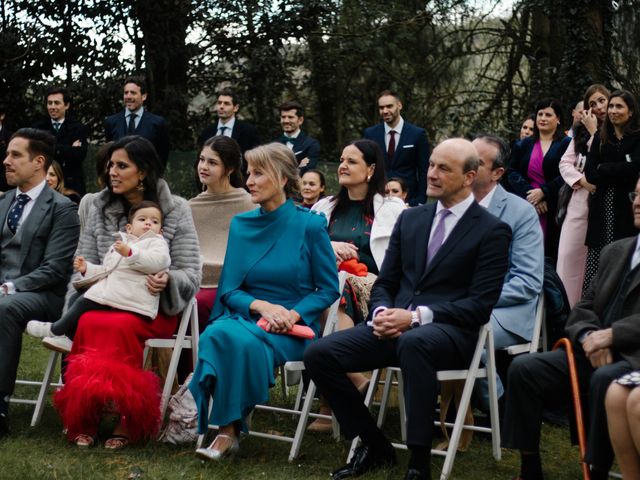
405, 147
305, 148
441, 276
71, 138
227, 107
136, 120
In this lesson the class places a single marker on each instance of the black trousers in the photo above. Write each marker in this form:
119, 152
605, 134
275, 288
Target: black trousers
420, 353
541, 380
68, 323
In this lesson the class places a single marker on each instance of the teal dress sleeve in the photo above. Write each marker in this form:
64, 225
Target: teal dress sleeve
323, 271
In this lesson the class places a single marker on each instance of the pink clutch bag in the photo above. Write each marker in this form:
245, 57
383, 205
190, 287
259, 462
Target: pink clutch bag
301, 331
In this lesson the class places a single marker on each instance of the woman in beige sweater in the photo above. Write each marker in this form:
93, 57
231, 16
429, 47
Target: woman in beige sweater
219, 172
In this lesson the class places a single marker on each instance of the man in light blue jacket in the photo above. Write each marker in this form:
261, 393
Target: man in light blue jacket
513, 317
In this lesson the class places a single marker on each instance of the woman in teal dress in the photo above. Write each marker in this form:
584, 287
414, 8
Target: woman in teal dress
279, 265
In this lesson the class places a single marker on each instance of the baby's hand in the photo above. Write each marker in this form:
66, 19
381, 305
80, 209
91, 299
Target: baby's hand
80, 265
122, 248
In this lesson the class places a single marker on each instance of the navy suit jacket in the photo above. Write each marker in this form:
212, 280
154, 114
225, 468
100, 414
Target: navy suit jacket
410, 160
462, 282
304, 147
244, 133
152, 127
69, 157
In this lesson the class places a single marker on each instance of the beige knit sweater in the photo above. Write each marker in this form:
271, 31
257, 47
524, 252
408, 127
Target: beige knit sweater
212, 214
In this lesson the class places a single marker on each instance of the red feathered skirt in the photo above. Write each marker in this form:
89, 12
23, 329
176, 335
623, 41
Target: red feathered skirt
104, 374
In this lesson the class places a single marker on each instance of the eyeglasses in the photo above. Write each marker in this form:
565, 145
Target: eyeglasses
633, 196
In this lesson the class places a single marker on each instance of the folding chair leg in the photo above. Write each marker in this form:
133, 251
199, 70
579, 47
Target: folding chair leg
368, 401
42, 395
384, 401
302, 421
403, 415
494, 413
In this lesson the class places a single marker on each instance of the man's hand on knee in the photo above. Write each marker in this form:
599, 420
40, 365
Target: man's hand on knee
390, 323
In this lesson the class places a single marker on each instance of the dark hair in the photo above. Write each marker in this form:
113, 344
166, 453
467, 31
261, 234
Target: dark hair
57, 169
399, 181
580, 134
557, 109
323, 181
66, 96
228, 92
139, 81
101, 159
292, 105
372, 155
142, 153
39, 142
229, 152
391, 93
607, 132
140, 206
500, 161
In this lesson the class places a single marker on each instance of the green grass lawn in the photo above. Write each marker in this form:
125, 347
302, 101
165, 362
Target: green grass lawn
42, 452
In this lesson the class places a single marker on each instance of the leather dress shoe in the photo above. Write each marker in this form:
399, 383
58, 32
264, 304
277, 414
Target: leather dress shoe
365, 460
415, 474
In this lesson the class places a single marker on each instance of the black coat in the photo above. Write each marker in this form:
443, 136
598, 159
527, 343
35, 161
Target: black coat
616, 165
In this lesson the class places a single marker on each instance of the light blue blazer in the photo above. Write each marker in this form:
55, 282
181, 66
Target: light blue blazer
515, 310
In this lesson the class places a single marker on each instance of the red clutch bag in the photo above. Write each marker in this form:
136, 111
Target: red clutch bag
301, 331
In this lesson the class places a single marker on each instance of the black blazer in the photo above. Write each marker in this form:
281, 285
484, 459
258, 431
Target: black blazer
462, 282
152, 127
612, 165
69, 157
304, 147
410, 160
244, 133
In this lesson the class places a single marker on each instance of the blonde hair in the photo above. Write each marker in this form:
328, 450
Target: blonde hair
277, 161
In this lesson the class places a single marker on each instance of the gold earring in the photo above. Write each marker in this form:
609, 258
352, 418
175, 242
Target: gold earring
140, 186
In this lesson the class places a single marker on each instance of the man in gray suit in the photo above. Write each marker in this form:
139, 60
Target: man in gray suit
38, 237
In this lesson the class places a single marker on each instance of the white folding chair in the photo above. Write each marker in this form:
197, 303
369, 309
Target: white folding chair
539, 332
45, 384
485, 340
308, 395
178, 342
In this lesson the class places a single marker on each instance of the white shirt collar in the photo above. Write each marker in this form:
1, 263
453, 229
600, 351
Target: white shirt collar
397, 128
35, 192
486, 201
459, 208
61, 121
294, 135
230, 123
138, 112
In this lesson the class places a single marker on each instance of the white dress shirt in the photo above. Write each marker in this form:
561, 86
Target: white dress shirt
138, 113
397, 129
635, 258
228, 126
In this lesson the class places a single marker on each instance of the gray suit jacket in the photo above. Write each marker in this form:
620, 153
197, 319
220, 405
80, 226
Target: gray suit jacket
49, 239
588, 313
515, 310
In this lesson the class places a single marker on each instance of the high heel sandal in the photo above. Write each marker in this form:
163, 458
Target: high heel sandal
215, 454
83, 440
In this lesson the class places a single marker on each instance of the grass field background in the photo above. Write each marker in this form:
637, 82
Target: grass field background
42, 452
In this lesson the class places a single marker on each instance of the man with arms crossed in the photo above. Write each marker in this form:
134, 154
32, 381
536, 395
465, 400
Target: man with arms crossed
441, 276
38, 237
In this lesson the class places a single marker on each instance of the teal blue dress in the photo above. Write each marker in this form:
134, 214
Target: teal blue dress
282, 257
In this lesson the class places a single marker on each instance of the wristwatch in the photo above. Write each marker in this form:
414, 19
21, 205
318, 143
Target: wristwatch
415, 320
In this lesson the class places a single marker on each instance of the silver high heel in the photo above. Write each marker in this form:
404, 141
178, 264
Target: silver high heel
216, 455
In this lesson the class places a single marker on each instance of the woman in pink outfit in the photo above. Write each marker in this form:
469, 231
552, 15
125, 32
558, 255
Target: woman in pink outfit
572, 252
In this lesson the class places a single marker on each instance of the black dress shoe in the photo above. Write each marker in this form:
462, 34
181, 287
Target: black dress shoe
415, 474
365, 460
4, 426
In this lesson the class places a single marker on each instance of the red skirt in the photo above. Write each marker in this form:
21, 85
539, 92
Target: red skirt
104, 374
